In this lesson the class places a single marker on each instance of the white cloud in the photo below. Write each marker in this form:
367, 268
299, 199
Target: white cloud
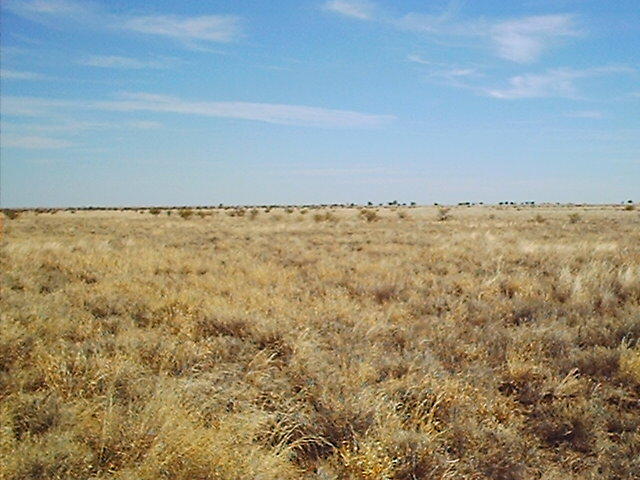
75, 127
91, 16
18, 75
33, 142
114, 61
36, 9
60, 13
29, 106
439, 24
360, 9
459, 72
523, 40
264, 112
214, 28
144, 102
144, 124
417, 59
553, 83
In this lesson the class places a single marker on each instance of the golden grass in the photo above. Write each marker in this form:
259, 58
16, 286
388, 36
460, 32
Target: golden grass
501, 343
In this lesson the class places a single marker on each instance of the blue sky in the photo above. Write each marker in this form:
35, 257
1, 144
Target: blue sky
253, 102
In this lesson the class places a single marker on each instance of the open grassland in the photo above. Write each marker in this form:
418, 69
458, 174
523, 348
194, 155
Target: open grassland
497, 343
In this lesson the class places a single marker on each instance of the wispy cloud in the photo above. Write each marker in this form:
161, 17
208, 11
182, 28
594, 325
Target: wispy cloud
555, 83
301, 115
360, 9
30, 106
213, 28
450, 74
417, 59
20, 75
523, 40
114, 61
88, 15
70, 127
441, 22
48, 7
264, 112
33, 142
552, 83
456, 73
59, 13
145, 124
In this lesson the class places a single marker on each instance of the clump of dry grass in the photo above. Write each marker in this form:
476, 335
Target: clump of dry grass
292, 348
185, 213
444, 214
369, 215
327, 216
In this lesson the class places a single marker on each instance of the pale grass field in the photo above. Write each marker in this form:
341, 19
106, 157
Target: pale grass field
501, 343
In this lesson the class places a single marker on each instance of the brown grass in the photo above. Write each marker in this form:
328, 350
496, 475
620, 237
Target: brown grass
321, 346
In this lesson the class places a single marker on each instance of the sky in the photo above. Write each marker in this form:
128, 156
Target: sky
129, 102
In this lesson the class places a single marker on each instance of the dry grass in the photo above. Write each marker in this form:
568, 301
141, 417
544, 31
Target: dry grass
321, 346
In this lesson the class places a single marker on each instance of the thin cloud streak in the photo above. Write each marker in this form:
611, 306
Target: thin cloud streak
524, 40
212, 28
414, 58
301, 115
553, 83
19, 75
520, 40
33, 142
76, 127
90, 16
359, 9
283, 114
115, 61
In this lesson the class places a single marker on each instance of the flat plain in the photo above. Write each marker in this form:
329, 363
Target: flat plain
390, 343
